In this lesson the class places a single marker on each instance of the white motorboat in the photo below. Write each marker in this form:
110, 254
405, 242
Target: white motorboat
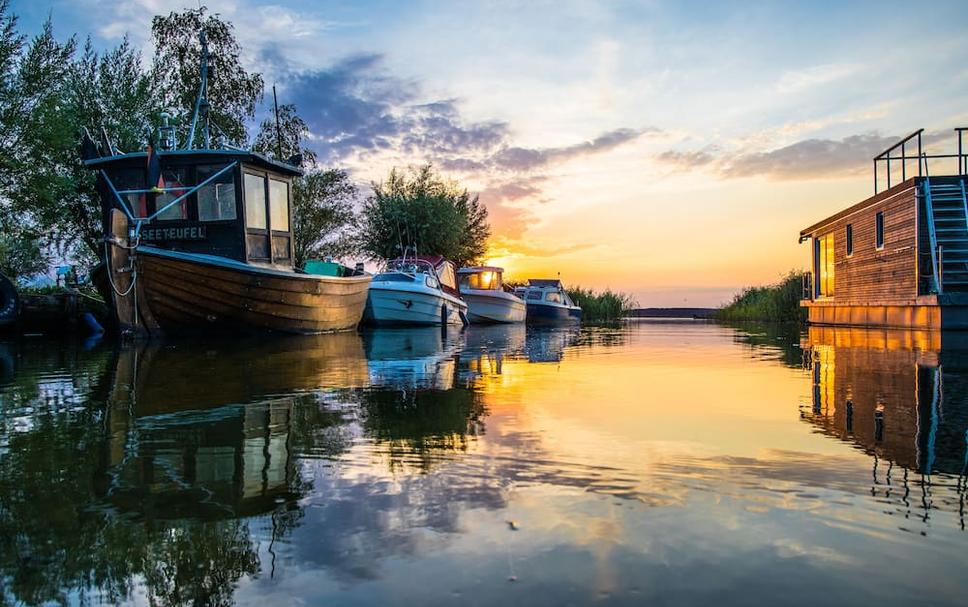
482, 288
419, 290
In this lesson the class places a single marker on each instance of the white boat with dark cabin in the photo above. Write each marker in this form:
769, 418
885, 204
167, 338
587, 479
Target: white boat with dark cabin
548, 302
417, 290
482, 287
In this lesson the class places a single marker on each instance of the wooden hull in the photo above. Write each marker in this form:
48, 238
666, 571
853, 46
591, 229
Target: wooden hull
182, 293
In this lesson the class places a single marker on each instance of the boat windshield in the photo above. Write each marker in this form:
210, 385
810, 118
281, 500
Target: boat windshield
410, 266
534, 295
485, 281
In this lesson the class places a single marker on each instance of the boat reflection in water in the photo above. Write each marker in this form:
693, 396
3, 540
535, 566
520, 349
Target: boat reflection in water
899, 397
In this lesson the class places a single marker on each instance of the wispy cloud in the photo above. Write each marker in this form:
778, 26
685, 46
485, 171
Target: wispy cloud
805, 159
795, 81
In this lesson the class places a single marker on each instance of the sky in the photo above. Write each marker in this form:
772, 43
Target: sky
669, 150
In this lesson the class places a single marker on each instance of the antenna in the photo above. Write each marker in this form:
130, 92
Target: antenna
275, 104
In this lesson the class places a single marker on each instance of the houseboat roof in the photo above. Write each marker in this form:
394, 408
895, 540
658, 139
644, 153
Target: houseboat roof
857, 208
246, 156
476, 269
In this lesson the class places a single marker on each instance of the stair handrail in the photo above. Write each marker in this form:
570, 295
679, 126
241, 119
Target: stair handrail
964, 200
929, 207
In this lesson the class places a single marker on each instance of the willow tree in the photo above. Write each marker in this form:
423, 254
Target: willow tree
420, 208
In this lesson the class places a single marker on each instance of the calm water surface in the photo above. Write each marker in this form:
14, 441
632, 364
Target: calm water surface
660, 463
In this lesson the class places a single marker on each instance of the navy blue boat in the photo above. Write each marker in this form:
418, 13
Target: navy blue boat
548, 303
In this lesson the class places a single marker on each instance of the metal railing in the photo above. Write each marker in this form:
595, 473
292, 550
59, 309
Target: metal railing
916, 139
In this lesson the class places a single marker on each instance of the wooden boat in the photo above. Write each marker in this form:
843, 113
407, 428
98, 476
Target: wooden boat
487, 302
199, 239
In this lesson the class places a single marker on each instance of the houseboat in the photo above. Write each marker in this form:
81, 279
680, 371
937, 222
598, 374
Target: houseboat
199, 239
482, 288
899, 258
416, 290
548, 302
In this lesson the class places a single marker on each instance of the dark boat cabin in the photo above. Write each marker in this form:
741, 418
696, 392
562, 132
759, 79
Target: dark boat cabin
899, 258
241, 211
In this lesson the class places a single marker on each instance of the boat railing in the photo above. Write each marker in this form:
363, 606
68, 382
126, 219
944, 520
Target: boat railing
899, 153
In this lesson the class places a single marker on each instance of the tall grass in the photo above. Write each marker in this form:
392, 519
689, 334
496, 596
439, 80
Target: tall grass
779, 302
607, 306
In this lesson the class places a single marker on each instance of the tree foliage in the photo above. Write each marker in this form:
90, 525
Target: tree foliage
285, 141
324, 215
420, 208
232, 91
20, 254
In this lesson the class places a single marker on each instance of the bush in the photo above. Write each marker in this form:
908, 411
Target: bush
607, 306
775, 303
20, 255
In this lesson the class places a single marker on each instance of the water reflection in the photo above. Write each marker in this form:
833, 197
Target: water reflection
901, 398
654, 461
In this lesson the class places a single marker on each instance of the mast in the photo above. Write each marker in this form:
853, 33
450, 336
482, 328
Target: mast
201, 103
275, 104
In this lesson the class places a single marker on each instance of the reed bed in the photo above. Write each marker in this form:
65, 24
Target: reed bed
606, 306
779, 302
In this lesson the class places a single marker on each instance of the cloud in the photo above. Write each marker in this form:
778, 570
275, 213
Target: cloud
805, 159
798, 80
811, 158
526, 159
687, 159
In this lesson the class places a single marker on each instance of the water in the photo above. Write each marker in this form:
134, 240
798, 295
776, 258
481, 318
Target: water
658, 463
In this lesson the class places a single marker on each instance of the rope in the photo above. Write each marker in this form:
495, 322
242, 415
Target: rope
134, 273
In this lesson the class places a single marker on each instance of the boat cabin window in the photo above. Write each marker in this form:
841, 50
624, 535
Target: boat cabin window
279, 218
432, 282
279, 205
534, 295
481, 280
255, 202
177, 180
554, 297
216, 200
131, 179
267, 218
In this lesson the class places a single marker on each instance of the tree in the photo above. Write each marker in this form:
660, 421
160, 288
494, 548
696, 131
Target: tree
20, 255
57, 94
324, 215
422, 209
287, 138
232, 91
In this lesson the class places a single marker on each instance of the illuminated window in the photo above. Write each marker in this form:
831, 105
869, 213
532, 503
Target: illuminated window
279, 205
850, 240
481, 281
174, 178
880, 230
255, 201
823, 256
216, 200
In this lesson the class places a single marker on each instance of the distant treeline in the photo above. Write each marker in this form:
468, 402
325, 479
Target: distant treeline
779, 302
607, 306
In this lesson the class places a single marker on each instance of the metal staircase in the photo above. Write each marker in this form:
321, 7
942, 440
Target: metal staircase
947, 207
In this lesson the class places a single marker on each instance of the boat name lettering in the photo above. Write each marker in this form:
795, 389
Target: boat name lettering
182, 233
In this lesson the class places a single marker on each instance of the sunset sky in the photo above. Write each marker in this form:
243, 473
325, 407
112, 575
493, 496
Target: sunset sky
672, 150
